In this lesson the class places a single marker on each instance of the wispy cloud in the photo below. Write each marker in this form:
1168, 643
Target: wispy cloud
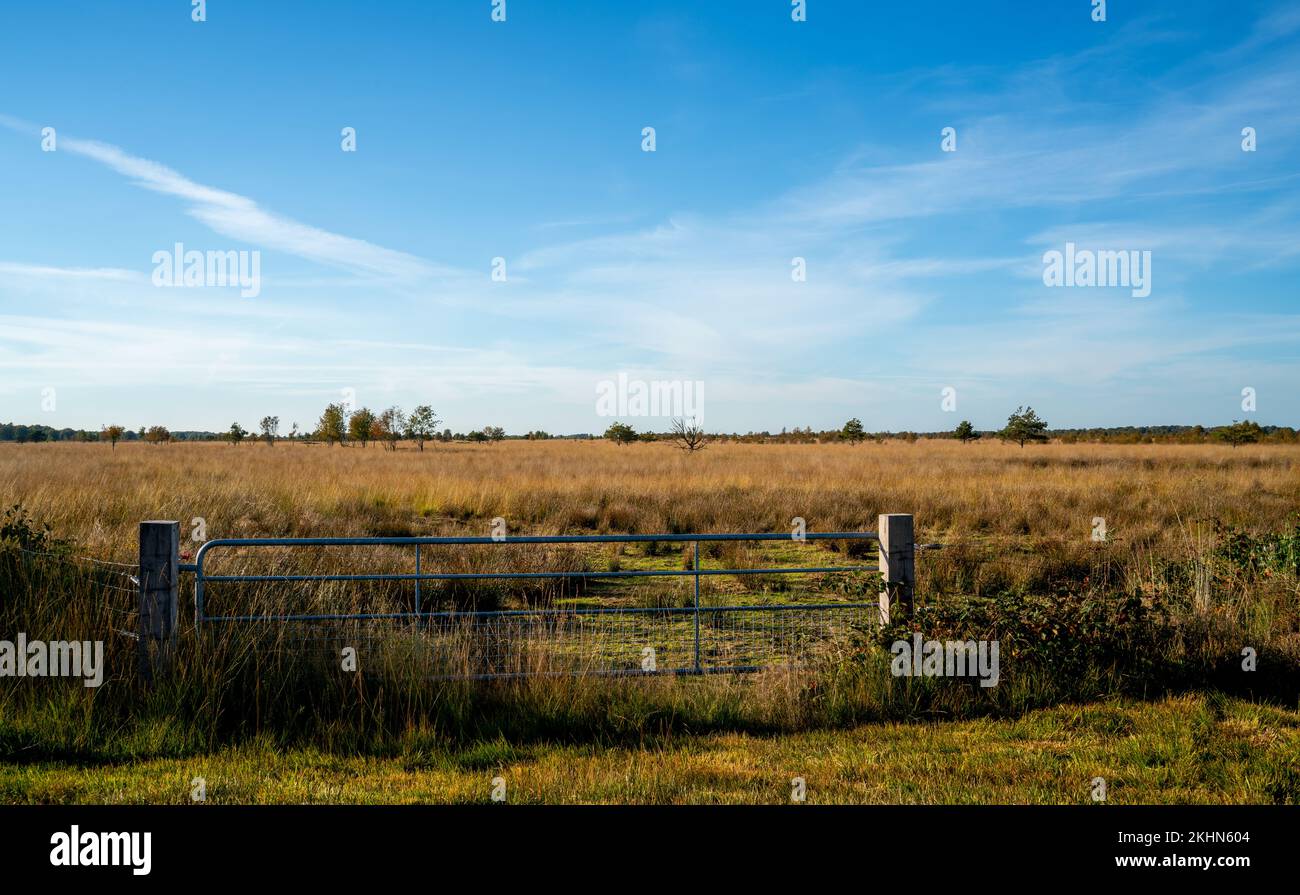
11, 270
241, 218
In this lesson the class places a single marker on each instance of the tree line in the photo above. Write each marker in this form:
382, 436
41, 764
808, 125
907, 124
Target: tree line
339, 425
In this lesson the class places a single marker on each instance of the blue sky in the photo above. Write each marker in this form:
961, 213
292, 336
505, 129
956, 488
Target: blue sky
775, 139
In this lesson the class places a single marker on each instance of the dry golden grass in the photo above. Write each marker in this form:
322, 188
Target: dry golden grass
1152, 496
1015, 522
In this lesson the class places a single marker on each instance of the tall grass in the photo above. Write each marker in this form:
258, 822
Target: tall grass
1200, 562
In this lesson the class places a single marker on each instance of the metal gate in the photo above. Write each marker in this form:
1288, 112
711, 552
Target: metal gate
702, 636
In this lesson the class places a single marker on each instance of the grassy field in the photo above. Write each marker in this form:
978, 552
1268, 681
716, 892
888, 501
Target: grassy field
1189, 750
1152, 496
1121, 657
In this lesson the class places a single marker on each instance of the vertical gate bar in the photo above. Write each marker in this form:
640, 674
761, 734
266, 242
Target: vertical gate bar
698, 669
417, 583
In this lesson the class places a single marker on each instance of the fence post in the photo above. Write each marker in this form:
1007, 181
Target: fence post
897, 563
160, 545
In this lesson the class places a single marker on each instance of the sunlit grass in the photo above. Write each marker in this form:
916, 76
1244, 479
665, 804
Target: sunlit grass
1188, 750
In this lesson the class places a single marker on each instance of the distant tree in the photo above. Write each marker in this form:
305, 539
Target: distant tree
422, 425
293, 433
237, 433
1023, 426
620, 433
538, 435
1239, 433
477, 435
446, 435
270, 429
965, 432
853, 431
361, 426
111, 434
688, 435
333, 424
157, 435
494, 433
390, 427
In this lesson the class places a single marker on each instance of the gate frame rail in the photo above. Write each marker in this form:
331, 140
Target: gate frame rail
160, 568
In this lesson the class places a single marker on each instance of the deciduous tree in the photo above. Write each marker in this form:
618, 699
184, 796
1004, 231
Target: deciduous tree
333, 424
422, 425
620, 433
361, 426
270, 429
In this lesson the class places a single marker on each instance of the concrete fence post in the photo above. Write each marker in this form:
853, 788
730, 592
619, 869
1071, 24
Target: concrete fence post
160, 547
897, 563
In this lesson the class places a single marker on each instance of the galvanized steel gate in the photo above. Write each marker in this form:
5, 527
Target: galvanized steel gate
697, 638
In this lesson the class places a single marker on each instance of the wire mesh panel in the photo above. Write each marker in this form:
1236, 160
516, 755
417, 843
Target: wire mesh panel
517, 644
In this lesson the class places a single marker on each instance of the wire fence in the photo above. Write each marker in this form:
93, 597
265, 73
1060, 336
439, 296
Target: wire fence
717, 639
117, 583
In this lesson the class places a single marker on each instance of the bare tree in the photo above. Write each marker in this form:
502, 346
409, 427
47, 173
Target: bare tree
689, 435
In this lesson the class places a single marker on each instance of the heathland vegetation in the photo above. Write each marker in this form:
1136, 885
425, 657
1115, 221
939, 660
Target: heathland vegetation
1125, 583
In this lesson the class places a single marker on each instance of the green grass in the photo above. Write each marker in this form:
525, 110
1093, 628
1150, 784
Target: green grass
1202, 749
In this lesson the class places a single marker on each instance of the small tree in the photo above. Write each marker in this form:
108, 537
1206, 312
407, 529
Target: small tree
620, 433
157, 435
1023, 426
361, 426
965, 432
1239, 433
688, 435
270, 429
293, 433
390, 426
422, 425
112, 434
333, 424
237, 433
476, 436
494, 433
853, 431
